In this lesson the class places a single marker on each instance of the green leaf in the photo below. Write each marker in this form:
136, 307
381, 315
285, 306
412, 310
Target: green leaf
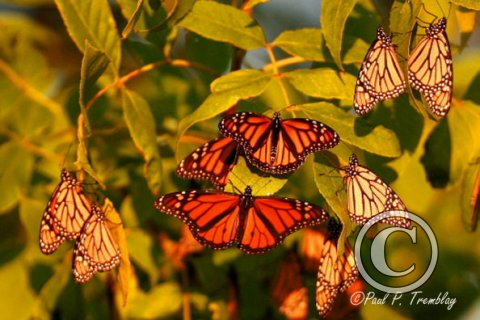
323, 83
378, 140
92, 21
141, 246
463, 122
225, 23
94, 64
227, 91
14, 276
470, 4
329, 183
250, 4
132, 21
310, 44
161, 302
142, 129
241, 177
306, 43
16, 169
334, 17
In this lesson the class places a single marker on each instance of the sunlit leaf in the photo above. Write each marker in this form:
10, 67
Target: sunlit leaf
94, 64
132, 20
323, 83
162, 301
309, 43
140, 122
221, 22
17, 166
118, 233
334, 16
354, 130
250, 4
92, 21
141, 253
228, 90
470, 4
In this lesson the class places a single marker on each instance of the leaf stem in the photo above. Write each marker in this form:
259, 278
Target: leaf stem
277, 73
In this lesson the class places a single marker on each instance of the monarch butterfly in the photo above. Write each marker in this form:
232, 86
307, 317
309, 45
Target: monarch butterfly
430, 68
255, 224
368, 195
336, 273
213, 161
289, 291
66, 212
312, 245
177, 252
380, 75
95, 250
274, 145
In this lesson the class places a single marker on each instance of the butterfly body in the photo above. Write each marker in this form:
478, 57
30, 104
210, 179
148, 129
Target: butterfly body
255, 224
430, 68
274, 145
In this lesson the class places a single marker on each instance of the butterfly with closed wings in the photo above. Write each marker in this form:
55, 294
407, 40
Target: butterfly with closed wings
96, 249
66, 212
380, 75
335, 273
430, 68
368, 196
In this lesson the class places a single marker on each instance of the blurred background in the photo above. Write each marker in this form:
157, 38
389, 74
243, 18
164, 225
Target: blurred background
436, 171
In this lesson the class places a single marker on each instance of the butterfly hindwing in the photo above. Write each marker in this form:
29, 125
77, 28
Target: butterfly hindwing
213, 161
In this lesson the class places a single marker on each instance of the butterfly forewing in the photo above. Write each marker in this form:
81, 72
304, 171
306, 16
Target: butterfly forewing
213, 161
430, 68
212, 218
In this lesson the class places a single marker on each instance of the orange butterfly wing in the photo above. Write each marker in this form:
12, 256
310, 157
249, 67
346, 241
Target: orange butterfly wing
270, 220
430, 68
335, 274
213, 218
213, 161
95, 250
277, 146
66, 212
368, 195
380, 75
255, 224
